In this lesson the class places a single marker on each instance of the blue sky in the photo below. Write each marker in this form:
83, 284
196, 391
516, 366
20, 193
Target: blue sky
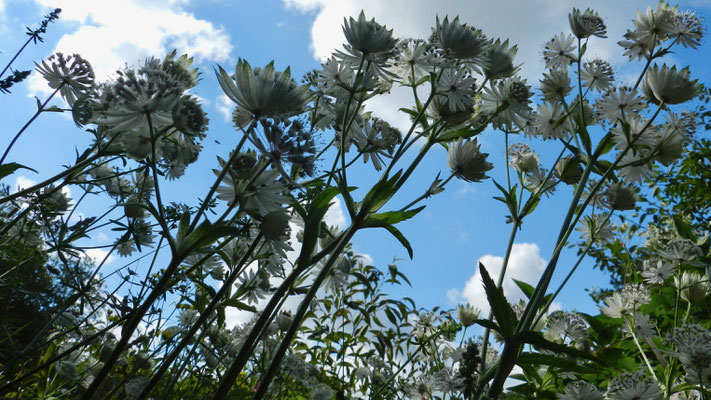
458, 227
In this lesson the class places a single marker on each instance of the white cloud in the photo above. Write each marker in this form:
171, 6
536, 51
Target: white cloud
525, 264
110, 35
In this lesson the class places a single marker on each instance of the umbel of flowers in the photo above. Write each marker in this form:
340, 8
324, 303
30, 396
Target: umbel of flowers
295, 146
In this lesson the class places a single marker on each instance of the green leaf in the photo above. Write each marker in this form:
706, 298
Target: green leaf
52, 109
537, 340
464, 133
682, 228
204, 235
239, 305
605, 145
401, 238
525, 288
183, 226
390, 217
505, 316
312, 223
547, 359
584, 135
9, 168
380, 193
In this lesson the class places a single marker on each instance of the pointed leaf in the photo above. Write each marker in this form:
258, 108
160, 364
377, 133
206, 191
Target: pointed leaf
9, 168
505, 316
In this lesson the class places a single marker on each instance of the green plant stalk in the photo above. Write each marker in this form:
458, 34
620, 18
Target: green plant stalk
567, 277
160, 218
227, 285
49, 181
215, 185
132, 322
630, 326
402, 367
301, 311
5, 388
510, 354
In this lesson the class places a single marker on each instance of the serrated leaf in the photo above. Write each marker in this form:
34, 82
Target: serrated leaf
505, 316
390, 217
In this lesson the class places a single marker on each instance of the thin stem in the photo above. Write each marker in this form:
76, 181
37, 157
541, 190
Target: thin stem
37, 113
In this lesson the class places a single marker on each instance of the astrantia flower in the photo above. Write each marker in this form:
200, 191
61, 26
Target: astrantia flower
538, 180
636, 132
693, 345
410, 64
256, 189
640, 325
498, 60
336, 77
620, 103
376, 140
188, 116
636, 293
459, 40
597, 75
657, 272
549, 122
687, 29
466, 314
467, 162
586, 24
631, 386
668, 144
264, 91
459, 87
522, 158
511, 99
650, 28
555, 85
693, 286
595, 227
668, 85
621, 197
617, 306
368, 36
187, 317
680, 250
567, 326
636, 166
581, 390
558, 52
72, 75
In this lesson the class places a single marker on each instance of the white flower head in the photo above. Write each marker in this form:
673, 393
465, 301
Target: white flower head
71, 74
587, 23
264, 91
559, 51
657, 272
669, 85
459, 40
467, 161
366, 36
597, 75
